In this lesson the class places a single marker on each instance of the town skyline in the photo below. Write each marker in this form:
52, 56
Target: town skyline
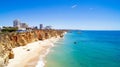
63, 14
17, 23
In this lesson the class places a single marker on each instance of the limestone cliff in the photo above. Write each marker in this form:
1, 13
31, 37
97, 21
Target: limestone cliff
12, 40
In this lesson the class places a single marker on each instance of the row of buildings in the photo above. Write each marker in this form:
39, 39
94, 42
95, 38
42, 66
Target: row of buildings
23, 26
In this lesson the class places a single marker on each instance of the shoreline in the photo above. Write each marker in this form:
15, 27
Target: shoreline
42, 61
32, 54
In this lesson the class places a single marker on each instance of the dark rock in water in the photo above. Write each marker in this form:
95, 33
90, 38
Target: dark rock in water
75, 42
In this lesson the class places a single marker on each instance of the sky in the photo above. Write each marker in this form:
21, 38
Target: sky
63, 14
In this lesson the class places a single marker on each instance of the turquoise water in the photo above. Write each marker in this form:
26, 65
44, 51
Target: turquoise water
92, 49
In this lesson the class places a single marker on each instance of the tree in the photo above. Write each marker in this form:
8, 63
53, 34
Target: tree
9, 29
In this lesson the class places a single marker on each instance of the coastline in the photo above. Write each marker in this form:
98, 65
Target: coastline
29, 55
42, 61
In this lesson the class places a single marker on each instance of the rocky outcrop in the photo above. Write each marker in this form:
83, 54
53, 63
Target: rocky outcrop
12, 40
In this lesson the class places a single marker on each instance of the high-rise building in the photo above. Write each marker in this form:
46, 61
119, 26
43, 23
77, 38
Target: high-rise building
23, 25
41, 26
16, 23
0, 28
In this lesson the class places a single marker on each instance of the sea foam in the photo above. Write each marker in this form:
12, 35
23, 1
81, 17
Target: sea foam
41, 62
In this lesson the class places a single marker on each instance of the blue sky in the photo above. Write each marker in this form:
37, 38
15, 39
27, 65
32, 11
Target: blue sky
68, 14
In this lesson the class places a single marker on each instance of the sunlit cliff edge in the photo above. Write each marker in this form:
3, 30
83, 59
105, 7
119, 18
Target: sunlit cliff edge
12, 40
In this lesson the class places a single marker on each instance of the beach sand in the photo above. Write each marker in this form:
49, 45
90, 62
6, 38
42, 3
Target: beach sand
31, 54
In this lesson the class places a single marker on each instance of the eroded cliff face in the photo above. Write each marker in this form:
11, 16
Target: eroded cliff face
12, 40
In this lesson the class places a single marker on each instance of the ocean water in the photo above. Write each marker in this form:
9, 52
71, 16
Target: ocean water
92, 49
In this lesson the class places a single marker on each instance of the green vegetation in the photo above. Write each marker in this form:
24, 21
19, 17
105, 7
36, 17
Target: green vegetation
9, 29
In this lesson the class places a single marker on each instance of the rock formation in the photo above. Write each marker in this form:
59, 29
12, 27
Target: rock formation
15, 39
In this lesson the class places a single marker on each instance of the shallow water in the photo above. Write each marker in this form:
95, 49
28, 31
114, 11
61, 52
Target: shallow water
92, 49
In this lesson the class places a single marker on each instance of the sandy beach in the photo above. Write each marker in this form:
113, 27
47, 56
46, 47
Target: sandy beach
29, 55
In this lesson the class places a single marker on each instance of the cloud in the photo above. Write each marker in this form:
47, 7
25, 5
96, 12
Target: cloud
91, 8
74, 6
